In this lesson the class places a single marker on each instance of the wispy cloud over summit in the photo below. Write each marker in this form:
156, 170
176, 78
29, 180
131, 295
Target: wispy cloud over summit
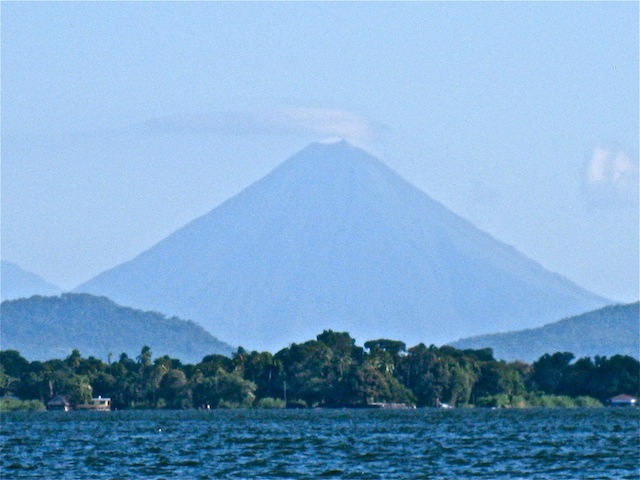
316, 122
611, 178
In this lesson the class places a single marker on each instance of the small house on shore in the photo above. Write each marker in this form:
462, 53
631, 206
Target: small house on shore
59, 402
390, 405
623, 401
99, 404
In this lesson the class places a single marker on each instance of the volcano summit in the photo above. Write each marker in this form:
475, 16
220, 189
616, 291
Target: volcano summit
332, 238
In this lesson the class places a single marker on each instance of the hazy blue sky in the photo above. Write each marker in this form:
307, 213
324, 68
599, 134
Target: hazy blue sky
123, 121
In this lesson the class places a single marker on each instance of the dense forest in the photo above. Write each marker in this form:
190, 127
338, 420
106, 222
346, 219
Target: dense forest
330, 371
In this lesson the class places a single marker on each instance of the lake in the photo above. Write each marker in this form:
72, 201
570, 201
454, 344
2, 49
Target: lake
572, 444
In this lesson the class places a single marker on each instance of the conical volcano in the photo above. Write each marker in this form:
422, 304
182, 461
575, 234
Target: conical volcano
332, 238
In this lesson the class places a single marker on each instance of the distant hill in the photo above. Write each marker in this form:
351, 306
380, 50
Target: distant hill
41, 328
16, 282
607, 331
333, 238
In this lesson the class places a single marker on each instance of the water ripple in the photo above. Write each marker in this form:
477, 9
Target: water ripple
306, 444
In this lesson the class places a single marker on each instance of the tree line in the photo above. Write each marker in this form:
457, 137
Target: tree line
330, 371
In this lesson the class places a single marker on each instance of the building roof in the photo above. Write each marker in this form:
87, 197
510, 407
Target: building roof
623, 398
58, 400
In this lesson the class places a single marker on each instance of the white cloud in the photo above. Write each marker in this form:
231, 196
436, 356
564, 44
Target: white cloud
611, 178
329, 123
322, 124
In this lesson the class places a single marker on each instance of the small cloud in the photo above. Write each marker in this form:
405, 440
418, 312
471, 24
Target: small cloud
323, 124
329, 123
611, 178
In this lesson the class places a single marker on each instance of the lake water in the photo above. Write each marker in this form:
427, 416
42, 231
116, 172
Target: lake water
363, 444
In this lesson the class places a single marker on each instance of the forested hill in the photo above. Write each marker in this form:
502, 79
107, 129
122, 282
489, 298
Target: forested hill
606, 331
42, 328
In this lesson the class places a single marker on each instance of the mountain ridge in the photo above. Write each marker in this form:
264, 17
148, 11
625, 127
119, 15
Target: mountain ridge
16, 282
612, 330
333, 238
42, 328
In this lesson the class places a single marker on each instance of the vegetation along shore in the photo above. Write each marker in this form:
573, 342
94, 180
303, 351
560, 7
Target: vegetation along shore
330, 371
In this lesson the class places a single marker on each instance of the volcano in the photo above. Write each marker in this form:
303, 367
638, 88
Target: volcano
332, 238
15, 282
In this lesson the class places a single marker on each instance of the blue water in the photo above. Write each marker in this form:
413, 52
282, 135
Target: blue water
363, 444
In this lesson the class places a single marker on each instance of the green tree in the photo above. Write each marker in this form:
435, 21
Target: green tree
210, 364
616, 375
438, 375
264, 370
367, 384
344, 356
144, 358
13, 363
385, 354
8, 384
77, 389
549, 370
223, 390
417, 373
174, 390
306, 371
104, 384
498, 378
73, 360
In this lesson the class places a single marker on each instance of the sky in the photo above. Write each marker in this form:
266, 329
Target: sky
123, 121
